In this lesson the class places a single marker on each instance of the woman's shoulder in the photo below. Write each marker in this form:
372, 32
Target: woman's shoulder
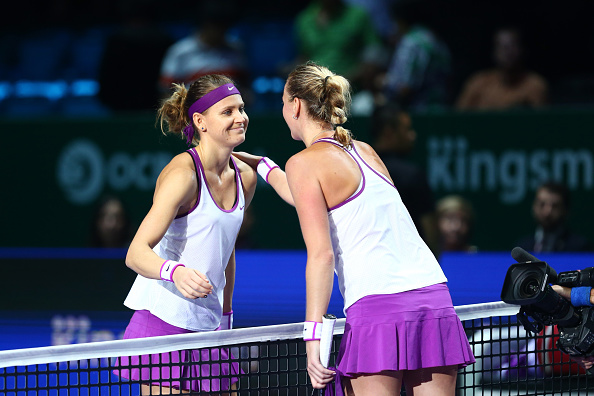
248, 174
303, 160
242, 167
182, 161
371, 157
362, 146
318, 156
365, 149
181, 167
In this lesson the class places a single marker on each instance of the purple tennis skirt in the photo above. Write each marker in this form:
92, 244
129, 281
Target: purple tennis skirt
403, 331
179, 374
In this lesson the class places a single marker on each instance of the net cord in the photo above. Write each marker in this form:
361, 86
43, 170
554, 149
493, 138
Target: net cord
162, 344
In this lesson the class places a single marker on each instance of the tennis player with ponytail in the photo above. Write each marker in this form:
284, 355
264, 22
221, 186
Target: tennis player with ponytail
401, 326
184, 250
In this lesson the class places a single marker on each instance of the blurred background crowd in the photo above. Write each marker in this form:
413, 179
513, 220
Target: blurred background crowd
424, 54
405, 58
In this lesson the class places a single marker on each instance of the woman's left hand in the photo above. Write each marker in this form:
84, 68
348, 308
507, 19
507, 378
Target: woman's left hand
319, 375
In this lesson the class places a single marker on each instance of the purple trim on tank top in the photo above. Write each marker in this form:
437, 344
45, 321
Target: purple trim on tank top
359, 191
238, 179
237, 182
194, 155
384, 178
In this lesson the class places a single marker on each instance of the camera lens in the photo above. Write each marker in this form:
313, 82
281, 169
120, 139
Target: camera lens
529, 288
527, 284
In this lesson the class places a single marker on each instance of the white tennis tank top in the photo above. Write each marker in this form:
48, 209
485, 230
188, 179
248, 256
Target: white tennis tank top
204, 240
377, 248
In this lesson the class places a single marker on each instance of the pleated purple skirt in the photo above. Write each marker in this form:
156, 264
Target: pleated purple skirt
403, 331
189, 370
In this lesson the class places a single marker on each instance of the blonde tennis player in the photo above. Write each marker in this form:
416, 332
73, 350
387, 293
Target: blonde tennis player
401, 327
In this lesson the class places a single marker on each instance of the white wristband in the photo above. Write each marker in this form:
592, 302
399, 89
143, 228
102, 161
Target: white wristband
265, 166
167, 269
312, 331
227, 321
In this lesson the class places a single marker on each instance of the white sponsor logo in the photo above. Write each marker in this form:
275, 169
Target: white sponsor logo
454, 166
83, 171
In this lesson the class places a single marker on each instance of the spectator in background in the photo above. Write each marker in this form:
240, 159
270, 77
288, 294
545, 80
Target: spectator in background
455, 221
551, 210
394, 141
378, 11
341, 37
418, 74
111, 227
510, 84
209, 50
134, 52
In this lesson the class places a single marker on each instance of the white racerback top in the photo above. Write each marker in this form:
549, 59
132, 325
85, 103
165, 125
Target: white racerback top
203, 239
377, 248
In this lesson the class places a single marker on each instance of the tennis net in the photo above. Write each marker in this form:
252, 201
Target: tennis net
271, 360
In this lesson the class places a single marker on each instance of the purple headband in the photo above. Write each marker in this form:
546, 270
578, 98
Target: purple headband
205, 102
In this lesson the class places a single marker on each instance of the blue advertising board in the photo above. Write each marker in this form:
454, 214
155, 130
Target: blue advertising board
269, 290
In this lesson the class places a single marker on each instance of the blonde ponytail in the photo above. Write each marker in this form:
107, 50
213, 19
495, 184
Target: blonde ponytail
328, 96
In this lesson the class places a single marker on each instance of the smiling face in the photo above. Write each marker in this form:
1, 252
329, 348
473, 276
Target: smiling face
226, 121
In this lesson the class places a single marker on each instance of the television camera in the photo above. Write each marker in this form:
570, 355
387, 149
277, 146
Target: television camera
528, 284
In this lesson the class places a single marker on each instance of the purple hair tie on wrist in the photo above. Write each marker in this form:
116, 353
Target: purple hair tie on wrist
206, 102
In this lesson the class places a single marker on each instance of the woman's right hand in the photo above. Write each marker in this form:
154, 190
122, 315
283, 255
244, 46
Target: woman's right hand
191, 283
250, 159
276, 178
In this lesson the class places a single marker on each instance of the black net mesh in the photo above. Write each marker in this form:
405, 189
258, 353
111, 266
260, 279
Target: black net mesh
508, 362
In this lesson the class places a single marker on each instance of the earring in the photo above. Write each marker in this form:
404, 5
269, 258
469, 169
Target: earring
294, 117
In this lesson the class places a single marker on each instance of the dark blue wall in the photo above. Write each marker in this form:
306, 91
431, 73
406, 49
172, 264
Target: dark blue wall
58, 296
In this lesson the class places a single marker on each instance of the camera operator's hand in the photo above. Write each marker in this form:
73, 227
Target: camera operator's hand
563, 291
585, 361
566, 293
